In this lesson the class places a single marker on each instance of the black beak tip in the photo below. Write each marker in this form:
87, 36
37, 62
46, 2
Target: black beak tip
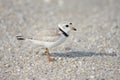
75, 29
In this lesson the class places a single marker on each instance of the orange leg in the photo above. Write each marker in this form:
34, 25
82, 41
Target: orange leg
48, 54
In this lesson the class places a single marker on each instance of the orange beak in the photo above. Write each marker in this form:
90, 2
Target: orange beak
73, 28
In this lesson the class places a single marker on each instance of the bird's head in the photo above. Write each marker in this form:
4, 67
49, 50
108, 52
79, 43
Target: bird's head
66, 28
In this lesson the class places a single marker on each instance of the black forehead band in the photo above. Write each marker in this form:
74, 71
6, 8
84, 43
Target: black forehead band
70, 23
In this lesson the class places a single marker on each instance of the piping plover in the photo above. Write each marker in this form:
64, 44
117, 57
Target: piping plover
63, 33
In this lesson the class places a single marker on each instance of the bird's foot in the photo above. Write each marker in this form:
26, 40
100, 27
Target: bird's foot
51, 59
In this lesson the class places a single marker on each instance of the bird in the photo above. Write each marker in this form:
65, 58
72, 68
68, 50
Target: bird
63, 33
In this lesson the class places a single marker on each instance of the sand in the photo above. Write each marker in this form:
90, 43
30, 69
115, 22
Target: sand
91, 53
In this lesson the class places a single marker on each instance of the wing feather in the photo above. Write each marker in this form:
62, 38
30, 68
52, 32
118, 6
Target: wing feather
47, 35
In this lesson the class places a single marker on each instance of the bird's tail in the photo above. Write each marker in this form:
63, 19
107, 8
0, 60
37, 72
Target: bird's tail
30, 40
20, 38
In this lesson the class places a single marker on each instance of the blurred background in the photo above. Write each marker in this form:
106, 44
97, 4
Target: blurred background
97, 39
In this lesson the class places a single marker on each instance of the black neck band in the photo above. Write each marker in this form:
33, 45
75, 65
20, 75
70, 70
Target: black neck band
64, 33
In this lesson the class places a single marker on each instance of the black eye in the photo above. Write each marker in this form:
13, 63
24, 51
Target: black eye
70, 23
67, 25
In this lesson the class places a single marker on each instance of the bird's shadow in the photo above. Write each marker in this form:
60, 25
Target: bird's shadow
82, 54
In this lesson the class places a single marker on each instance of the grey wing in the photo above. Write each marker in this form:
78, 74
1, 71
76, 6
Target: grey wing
48, 35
